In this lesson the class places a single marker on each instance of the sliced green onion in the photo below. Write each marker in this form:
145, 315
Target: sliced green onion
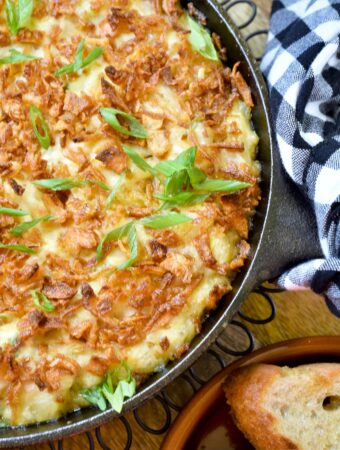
184, 160
168, 168
65, 184
78, 60
79, 63
177, 182
117, 233
161, 221
187, 158
18, 15
11, 17
100, 184
16, 57
124, 389
138, 160
13, 212
183, 198
113, 391
133, 246
59, 184
180, 172
20, 229
36, 115
69, 68
196, 175
211, 185
95, 397
129, 231
42, 302
24, 11
201, 41
18, 248
135, 129
114, 190
93, 55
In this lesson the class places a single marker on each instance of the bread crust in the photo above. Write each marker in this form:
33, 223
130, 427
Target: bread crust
246, 389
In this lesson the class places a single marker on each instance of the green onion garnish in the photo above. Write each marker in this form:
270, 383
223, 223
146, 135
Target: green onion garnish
128, 230
13, 212
114, 235
64, 184
138, 160
162, 221
18, 248
18, 15
186, 184
183, 198
79, 62
183, 161
201, 41
133, 246
42, 302
114, 190
38, 120
16, 57
135, 129
211, 185
114, 389
95, 397
20, 229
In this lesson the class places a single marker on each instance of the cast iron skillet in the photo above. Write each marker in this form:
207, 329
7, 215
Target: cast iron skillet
283, 233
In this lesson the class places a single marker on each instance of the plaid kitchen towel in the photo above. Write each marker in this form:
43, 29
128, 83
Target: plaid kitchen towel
302, 67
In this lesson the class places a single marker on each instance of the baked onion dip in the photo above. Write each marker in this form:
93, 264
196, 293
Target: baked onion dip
128, 181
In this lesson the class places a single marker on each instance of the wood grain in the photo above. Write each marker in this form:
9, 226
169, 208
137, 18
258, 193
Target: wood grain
298, 313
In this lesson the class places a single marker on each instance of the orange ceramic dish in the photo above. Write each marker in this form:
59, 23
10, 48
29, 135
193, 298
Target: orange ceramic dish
205, 421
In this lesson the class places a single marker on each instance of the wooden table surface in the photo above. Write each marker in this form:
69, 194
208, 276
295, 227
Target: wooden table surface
298, 313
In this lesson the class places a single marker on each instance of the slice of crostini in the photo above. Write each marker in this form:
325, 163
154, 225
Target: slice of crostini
282, 408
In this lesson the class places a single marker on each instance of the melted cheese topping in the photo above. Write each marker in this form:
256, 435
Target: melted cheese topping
147, 314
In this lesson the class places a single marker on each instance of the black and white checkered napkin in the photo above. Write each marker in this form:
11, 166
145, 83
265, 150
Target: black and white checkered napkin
302, 67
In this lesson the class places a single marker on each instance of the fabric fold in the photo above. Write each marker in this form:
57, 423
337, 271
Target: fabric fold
302, 68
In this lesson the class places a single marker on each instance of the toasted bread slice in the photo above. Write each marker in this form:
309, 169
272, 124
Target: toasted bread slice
282, 408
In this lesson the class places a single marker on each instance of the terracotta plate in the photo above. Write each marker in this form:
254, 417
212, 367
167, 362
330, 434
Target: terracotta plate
205, 423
